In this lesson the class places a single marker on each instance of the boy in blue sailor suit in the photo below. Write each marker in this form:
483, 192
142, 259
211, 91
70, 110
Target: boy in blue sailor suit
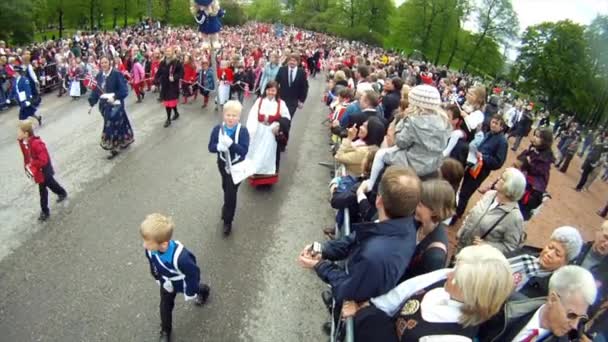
22, 92
173, 267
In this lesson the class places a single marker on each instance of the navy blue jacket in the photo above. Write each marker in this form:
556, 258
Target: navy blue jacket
114, 83
378, 255
183, 266
494, 150
239, 148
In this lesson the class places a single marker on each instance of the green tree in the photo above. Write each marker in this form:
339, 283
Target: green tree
235, 14
554, 62
16, 21
496, 19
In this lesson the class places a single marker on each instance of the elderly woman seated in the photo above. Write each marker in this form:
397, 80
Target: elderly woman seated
358, 143
447, 304
531, 274
496, 219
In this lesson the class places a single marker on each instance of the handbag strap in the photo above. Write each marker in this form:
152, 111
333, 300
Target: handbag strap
496, 224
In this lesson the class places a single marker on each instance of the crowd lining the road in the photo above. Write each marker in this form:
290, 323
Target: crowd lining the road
416, 141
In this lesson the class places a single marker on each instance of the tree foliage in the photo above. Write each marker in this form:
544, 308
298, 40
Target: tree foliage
564, 63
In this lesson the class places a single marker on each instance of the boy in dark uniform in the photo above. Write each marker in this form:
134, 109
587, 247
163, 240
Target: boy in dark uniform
173, 267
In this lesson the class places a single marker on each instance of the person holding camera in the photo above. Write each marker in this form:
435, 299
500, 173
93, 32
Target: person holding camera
378, 253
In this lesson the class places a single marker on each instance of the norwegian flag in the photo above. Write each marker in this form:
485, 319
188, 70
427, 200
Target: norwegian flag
90, 82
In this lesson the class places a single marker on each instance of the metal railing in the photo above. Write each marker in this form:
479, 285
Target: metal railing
336, 326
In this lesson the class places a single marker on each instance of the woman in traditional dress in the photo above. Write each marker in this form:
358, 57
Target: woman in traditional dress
168, 75
268, 123
111, 91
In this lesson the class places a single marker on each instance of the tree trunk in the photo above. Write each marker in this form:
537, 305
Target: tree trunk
125, 14
453, 53
91, 12
442, 36
474, 51
60, 23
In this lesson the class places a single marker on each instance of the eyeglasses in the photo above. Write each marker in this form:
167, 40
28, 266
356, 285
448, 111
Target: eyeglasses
572, 316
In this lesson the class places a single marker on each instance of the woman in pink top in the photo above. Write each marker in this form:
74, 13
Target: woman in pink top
138, 76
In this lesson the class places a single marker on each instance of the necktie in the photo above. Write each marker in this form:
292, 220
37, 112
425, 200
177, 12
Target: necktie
290, 77
532, 337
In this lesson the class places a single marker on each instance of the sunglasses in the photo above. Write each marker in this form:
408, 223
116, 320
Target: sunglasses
572, 316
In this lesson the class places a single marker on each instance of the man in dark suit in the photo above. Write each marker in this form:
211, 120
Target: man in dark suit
553, 318
293, 85
594, 257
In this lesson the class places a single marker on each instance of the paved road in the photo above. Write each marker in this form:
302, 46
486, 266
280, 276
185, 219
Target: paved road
83, 276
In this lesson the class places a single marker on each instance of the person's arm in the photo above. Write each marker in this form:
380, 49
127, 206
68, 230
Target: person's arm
354, 285
452, 141
213, 139
344, 199
496, 158
42, 156
338, 249
405, 137
434, 257
153, 270
304, 91
123, 89
187, 264
391, 302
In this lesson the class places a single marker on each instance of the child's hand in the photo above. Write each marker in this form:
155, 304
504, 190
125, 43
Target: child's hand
352, 132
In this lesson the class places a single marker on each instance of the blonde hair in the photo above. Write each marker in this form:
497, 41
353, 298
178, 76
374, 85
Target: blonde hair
233, 106
26, 126
438, 195
480, 94
339, 76
483, 292
157, 227
414, 110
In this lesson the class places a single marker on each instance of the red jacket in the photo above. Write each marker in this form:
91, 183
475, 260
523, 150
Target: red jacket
36, 158
225, 74
189, 73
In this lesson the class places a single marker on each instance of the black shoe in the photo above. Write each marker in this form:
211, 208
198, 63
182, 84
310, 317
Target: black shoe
167, 123
62, 198
326, 327
227, 228
164, 337
112, 155
328, 299
39, 118
43, 217
203, 295
175, 116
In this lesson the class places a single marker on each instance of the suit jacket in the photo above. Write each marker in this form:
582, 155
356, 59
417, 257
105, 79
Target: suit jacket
513, 317
298, 91
600, 273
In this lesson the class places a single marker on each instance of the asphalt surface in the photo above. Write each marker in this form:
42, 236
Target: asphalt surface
83, 276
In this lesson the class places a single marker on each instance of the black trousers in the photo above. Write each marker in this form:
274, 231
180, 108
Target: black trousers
587, 168
230, 192
292, 107
468, 188
49, 183
167, 302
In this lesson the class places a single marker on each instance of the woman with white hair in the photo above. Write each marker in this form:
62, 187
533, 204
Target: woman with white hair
531, 273
496, 219
447, 304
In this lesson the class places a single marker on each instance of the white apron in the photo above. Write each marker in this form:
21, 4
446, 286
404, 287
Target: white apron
263, 143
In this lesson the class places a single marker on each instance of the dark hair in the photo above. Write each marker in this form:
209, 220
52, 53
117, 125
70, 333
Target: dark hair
400, 190
546, 138
346, 93
452, 171
397, 83
273, 84
363, 71
375, 131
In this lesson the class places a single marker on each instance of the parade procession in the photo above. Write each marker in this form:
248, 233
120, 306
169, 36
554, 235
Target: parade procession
273, 170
